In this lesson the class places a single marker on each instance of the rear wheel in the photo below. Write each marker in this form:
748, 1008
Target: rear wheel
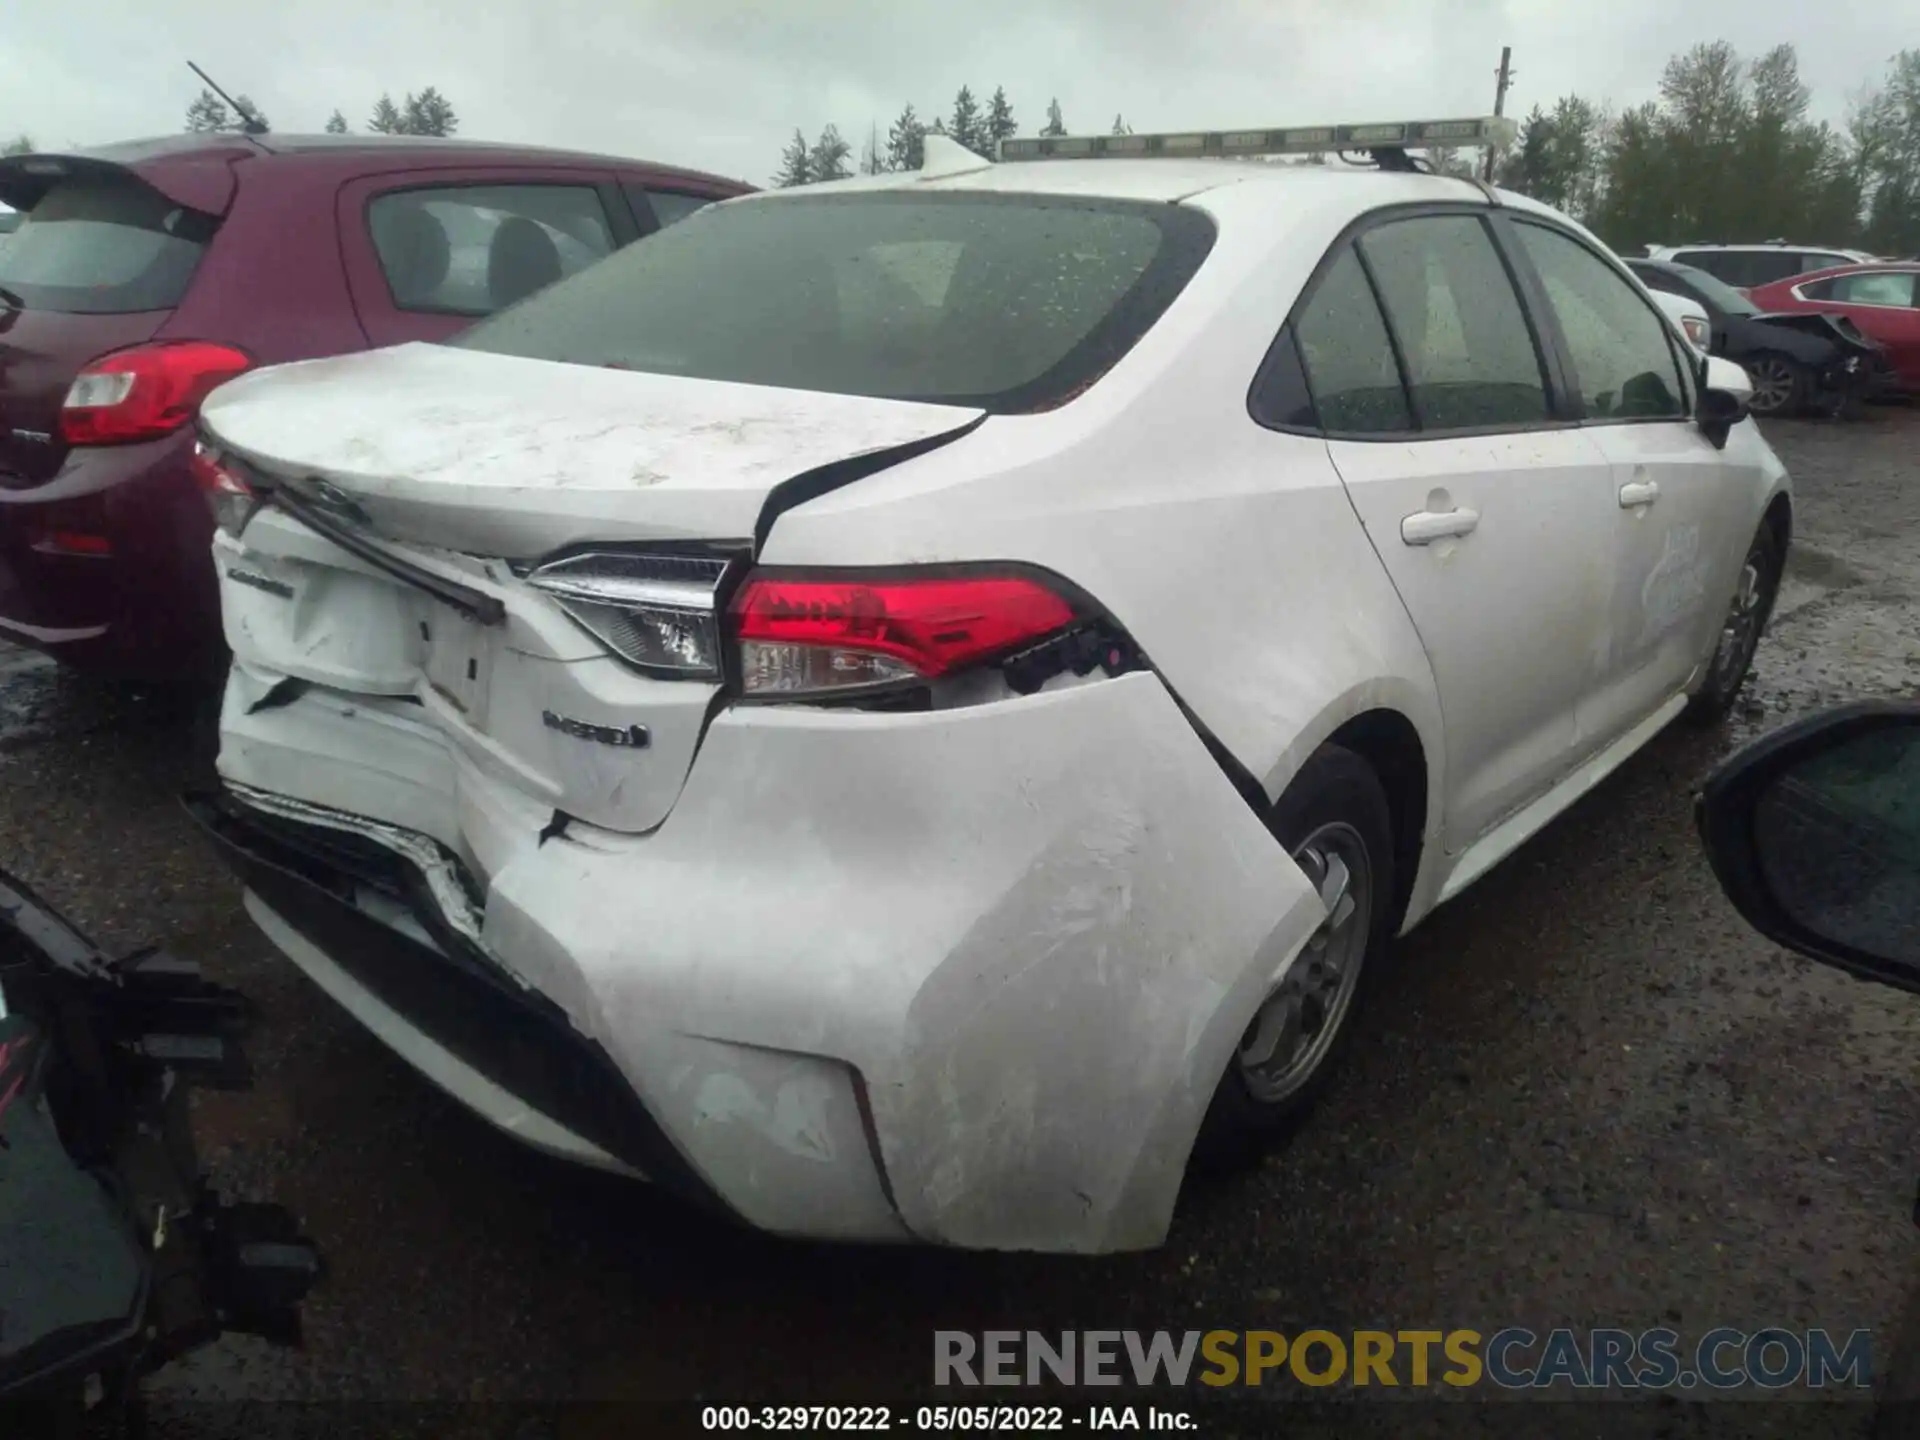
1746, 621
1780, 385
1335, 822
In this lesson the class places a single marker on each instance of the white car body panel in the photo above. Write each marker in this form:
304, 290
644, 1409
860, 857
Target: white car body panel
499, 455
967, 975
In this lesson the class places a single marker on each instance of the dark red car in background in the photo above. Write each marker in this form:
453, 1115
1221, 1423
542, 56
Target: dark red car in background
144, 274
1881, 298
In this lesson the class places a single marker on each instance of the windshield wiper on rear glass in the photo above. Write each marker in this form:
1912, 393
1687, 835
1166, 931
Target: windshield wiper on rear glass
476, 605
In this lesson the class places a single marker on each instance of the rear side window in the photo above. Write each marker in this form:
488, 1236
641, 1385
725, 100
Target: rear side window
104, 247
1009, 303
1470, 358
472, 250
1886, 287
1347, 355
1822, 260
669, 206
1621, 347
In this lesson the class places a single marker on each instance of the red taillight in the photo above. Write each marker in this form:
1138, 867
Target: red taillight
145, 392
801, 634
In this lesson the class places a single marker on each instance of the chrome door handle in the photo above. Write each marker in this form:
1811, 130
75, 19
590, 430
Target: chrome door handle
1429, 525
1639, 492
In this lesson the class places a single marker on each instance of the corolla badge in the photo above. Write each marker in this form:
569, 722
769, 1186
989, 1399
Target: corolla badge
627, 737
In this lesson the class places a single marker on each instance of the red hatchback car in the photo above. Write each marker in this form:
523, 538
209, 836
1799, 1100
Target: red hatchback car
1881, 298
145, 274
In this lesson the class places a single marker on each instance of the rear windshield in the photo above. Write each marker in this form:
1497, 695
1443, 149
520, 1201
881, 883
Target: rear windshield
1716, 292
1006, 302
103, 247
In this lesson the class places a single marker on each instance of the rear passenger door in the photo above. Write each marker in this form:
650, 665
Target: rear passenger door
1680, 523
429, 252
1489, 512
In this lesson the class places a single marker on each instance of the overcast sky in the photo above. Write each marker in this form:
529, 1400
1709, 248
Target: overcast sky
720, 84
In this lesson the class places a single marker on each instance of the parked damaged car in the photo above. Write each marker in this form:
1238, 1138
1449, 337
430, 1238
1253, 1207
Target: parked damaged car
115, 1257
929, 777
1798, 362
143, 275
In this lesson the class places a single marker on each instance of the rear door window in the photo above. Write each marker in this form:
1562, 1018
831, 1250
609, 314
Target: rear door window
1883, 287
104, 247
1470, 357
472, 250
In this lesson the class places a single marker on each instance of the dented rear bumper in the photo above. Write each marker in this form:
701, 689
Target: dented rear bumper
966, 977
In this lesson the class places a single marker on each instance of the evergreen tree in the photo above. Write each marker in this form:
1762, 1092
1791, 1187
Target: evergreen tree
795, 163
21, 144
336, 124
1055, 125
873, 160
428, 113
208, 113
1000, 122
906, 142
1120, 127
828, 158
386, 118
967, 127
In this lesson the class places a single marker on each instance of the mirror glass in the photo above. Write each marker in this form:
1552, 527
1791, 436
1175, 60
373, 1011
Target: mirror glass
1837, 835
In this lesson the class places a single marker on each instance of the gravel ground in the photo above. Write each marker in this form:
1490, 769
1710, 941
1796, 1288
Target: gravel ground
1585, 1095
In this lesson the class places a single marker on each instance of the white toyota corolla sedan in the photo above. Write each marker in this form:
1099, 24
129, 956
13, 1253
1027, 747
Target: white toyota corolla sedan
905, 710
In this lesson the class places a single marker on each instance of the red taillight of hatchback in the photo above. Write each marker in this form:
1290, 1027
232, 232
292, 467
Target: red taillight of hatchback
808, 634
145, 392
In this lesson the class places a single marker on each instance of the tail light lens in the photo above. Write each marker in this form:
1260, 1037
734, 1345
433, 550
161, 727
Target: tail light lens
801, 635
655, 611
145, 392
227, 491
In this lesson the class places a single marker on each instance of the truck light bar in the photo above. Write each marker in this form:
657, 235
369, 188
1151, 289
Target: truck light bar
1306, 140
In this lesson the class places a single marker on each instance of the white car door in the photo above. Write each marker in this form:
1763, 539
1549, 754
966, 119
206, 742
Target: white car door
1487, 513
1682, 517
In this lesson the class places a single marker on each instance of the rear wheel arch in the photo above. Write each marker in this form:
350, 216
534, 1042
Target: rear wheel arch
1390, 744
1779, 519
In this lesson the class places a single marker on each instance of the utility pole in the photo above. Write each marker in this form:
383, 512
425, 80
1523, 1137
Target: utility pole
1505, 77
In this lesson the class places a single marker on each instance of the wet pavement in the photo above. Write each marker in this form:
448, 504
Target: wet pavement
1585, 1095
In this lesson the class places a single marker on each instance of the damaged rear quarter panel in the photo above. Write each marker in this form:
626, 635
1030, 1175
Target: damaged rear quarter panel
1034, 928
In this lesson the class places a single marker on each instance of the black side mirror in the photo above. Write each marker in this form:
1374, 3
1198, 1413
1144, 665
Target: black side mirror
1814, 833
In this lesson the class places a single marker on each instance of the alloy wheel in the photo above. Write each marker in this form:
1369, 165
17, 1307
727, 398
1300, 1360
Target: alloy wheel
1300, 1020
1740, 635
1772, 385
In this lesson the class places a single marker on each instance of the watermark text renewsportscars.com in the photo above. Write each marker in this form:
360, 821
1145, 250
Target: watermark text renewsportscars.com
1512, 1358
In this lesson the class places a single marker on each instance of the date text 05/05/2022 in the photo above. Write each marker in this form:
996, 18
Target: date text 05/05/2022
944, 1419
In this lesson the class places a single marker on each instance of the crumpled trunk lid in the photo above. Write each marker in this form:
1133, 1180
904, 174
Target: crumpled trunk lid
461, 463
503, 456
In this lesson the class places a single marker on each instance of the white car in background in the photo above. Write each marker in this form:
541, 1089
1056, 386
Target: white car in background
904, 708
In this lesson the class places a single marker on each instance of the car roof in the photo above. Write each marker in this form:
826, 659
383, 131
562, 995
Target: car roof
386, 150
1154, 180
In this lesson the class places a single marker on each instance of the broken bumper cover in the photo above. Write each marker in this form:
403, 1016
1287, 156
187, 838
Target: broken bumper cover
966, 976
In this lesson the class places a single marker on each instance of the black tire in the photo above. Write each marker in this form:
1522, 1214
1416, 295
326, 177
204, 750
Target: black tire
1336, 795
1732, 658
1781, 385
